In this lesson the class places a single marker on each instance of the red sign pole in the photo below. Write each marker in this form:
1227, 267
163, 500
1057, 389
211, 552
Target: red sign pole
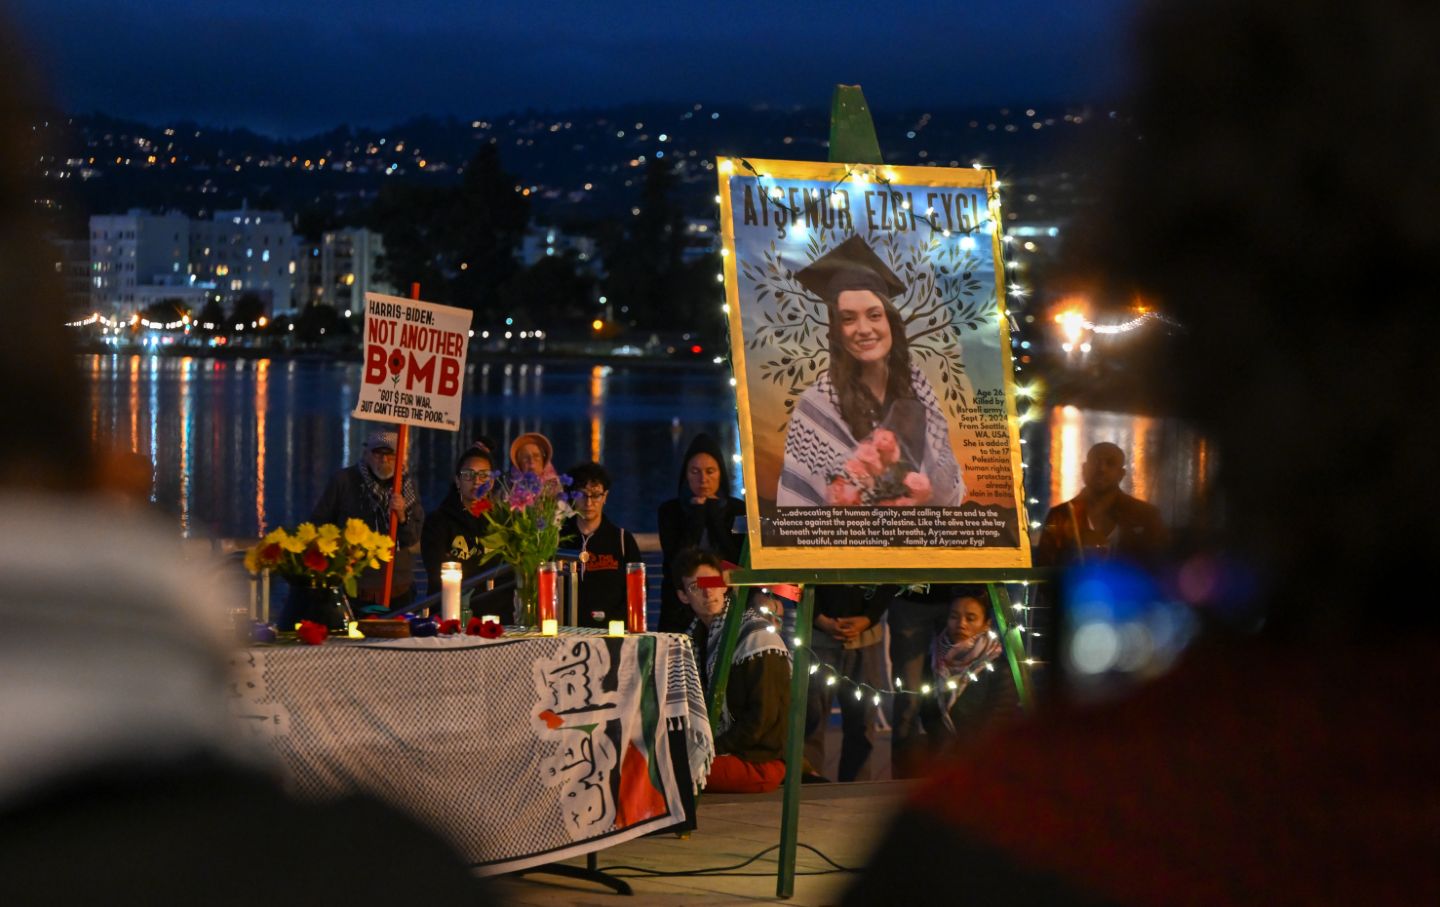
402, 435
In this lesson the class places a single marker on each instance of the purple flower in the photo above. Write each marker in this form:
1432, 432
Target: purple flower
540, 523
566, 481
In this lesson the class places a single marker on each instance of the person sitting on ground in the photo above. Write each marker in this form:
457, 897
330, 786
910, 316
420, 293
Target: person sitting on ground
365, 491
701, 516
750, 730
454, 529
971, 682
605, 548
533, 452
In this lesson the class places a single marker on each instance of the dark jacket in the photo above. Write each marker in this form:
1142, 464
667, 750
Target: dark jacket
855, 601
1139, 537
684, 524
757, 695
451, 533
345, 498
602, 579
988, 699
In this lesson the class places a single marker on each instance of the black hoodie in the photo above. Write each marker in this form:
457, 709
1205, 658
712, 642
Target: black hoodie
684, 524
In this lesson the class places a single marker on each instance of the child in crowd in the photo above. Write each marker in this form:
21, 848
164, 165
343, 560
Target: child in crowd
750, 730
970, 676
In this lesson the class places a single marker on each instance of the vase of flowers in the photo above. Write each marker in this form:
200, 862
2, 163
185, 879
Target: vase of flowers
524, 516
322, 564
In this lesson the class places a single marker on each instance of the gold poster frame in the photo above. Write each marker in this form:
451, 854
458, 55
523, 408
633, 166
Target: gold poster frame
764, 557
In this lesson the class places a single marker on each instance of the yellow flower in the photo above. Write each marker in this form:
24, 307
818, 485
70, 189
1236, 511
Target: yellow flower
291, 543
252, 559
374, 563
357, 533
327, 545
306, 533
273, 536
383, 553
328, 531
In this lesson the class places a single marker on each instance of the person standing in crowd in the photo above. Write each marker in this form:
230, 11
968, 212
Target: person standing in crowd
848, 642
533, 452
1102, 521
702, 516
1286, 757
917, 614
453, 530
365, 491
750, 731
605, 548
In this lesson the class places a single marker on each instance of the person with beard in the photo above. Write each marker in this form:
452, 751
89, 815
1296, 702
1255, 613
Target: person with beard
701, 516
365, 491
1102, 521
453, 530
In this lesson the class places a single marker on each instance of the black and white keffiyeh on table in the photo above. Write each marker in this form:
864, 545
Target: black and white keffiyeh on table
521, 750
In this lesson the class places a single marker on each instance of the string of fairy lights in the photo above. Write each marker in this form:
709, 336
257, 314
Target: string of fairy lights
1027, 396
860, 689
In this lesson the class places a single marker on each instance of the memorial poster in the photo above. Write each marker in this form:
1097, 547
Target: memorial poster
872, 360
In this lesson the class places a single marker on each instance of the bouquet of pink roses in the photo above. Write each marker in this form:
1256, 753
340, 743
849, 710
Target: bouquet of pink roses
876, 475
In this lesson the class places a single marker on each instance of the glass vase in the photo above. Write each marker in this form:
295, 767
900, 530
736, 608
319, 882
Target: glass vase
527, 597
324, 605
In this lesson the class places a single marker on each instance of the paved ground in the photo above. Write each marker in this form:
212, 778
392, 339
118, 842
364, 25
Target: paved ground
843, 821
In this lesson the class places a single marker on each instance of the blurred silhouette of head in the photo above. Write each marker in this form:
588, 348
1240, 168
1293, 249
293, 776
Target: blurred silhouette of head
1282, 205
45, 443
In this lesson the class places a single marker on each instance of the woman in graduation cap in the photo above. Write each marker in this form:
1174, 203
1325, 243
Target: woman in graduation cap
869, 431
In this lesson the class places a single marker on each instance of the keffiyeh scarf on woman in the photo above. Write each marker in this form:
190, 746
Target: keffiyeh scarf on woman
756, 639
956, 662
378, 491
818, 443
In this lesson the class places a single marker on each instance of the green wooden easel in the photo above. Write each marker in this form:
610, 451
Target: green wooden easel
852, 140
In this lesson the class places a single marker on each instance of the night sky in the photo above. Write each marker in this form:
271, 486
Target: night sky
291, 67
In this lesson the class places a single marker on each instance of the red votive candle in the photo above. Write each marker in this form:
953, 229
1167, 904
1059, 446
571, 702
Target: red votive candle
546, 586
635, 598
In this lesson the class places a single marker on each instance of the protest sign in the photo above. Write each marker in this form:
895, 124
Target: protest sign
872, 359
414, 365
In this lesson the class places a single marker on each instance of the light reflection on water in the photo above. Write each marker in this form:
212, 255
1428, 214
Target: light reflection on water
242, 446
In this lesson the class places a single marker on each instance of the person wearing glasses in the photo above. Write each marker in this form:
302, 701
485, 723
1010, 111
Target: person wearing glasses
605, 548
365, 491
454, 529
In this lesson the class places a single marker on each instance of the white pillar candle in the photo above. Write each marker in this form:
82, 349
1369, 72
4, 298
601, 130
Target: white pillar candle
550, 627
450, 576
617, 628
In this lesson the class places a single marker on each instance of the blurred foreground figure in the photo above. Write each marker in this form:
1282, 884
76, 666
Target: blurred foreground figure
123, 778
1282, 206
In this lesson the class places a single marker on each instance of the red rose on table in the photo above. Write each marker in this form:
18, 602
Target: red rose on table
397, 362
311, 633
491, 630
449, 627
480, 505
315, 561
473, 627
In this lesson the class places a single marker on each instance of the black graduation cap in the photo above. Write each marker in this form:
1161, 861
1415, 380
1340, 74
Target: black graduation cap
852, 265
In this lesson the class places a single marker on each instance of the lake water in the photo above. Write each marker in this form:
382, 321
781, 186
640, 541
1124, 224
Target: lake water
243, 446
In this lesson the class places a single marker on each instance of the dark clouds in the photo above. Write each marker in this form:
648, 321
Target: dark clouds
304, 65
